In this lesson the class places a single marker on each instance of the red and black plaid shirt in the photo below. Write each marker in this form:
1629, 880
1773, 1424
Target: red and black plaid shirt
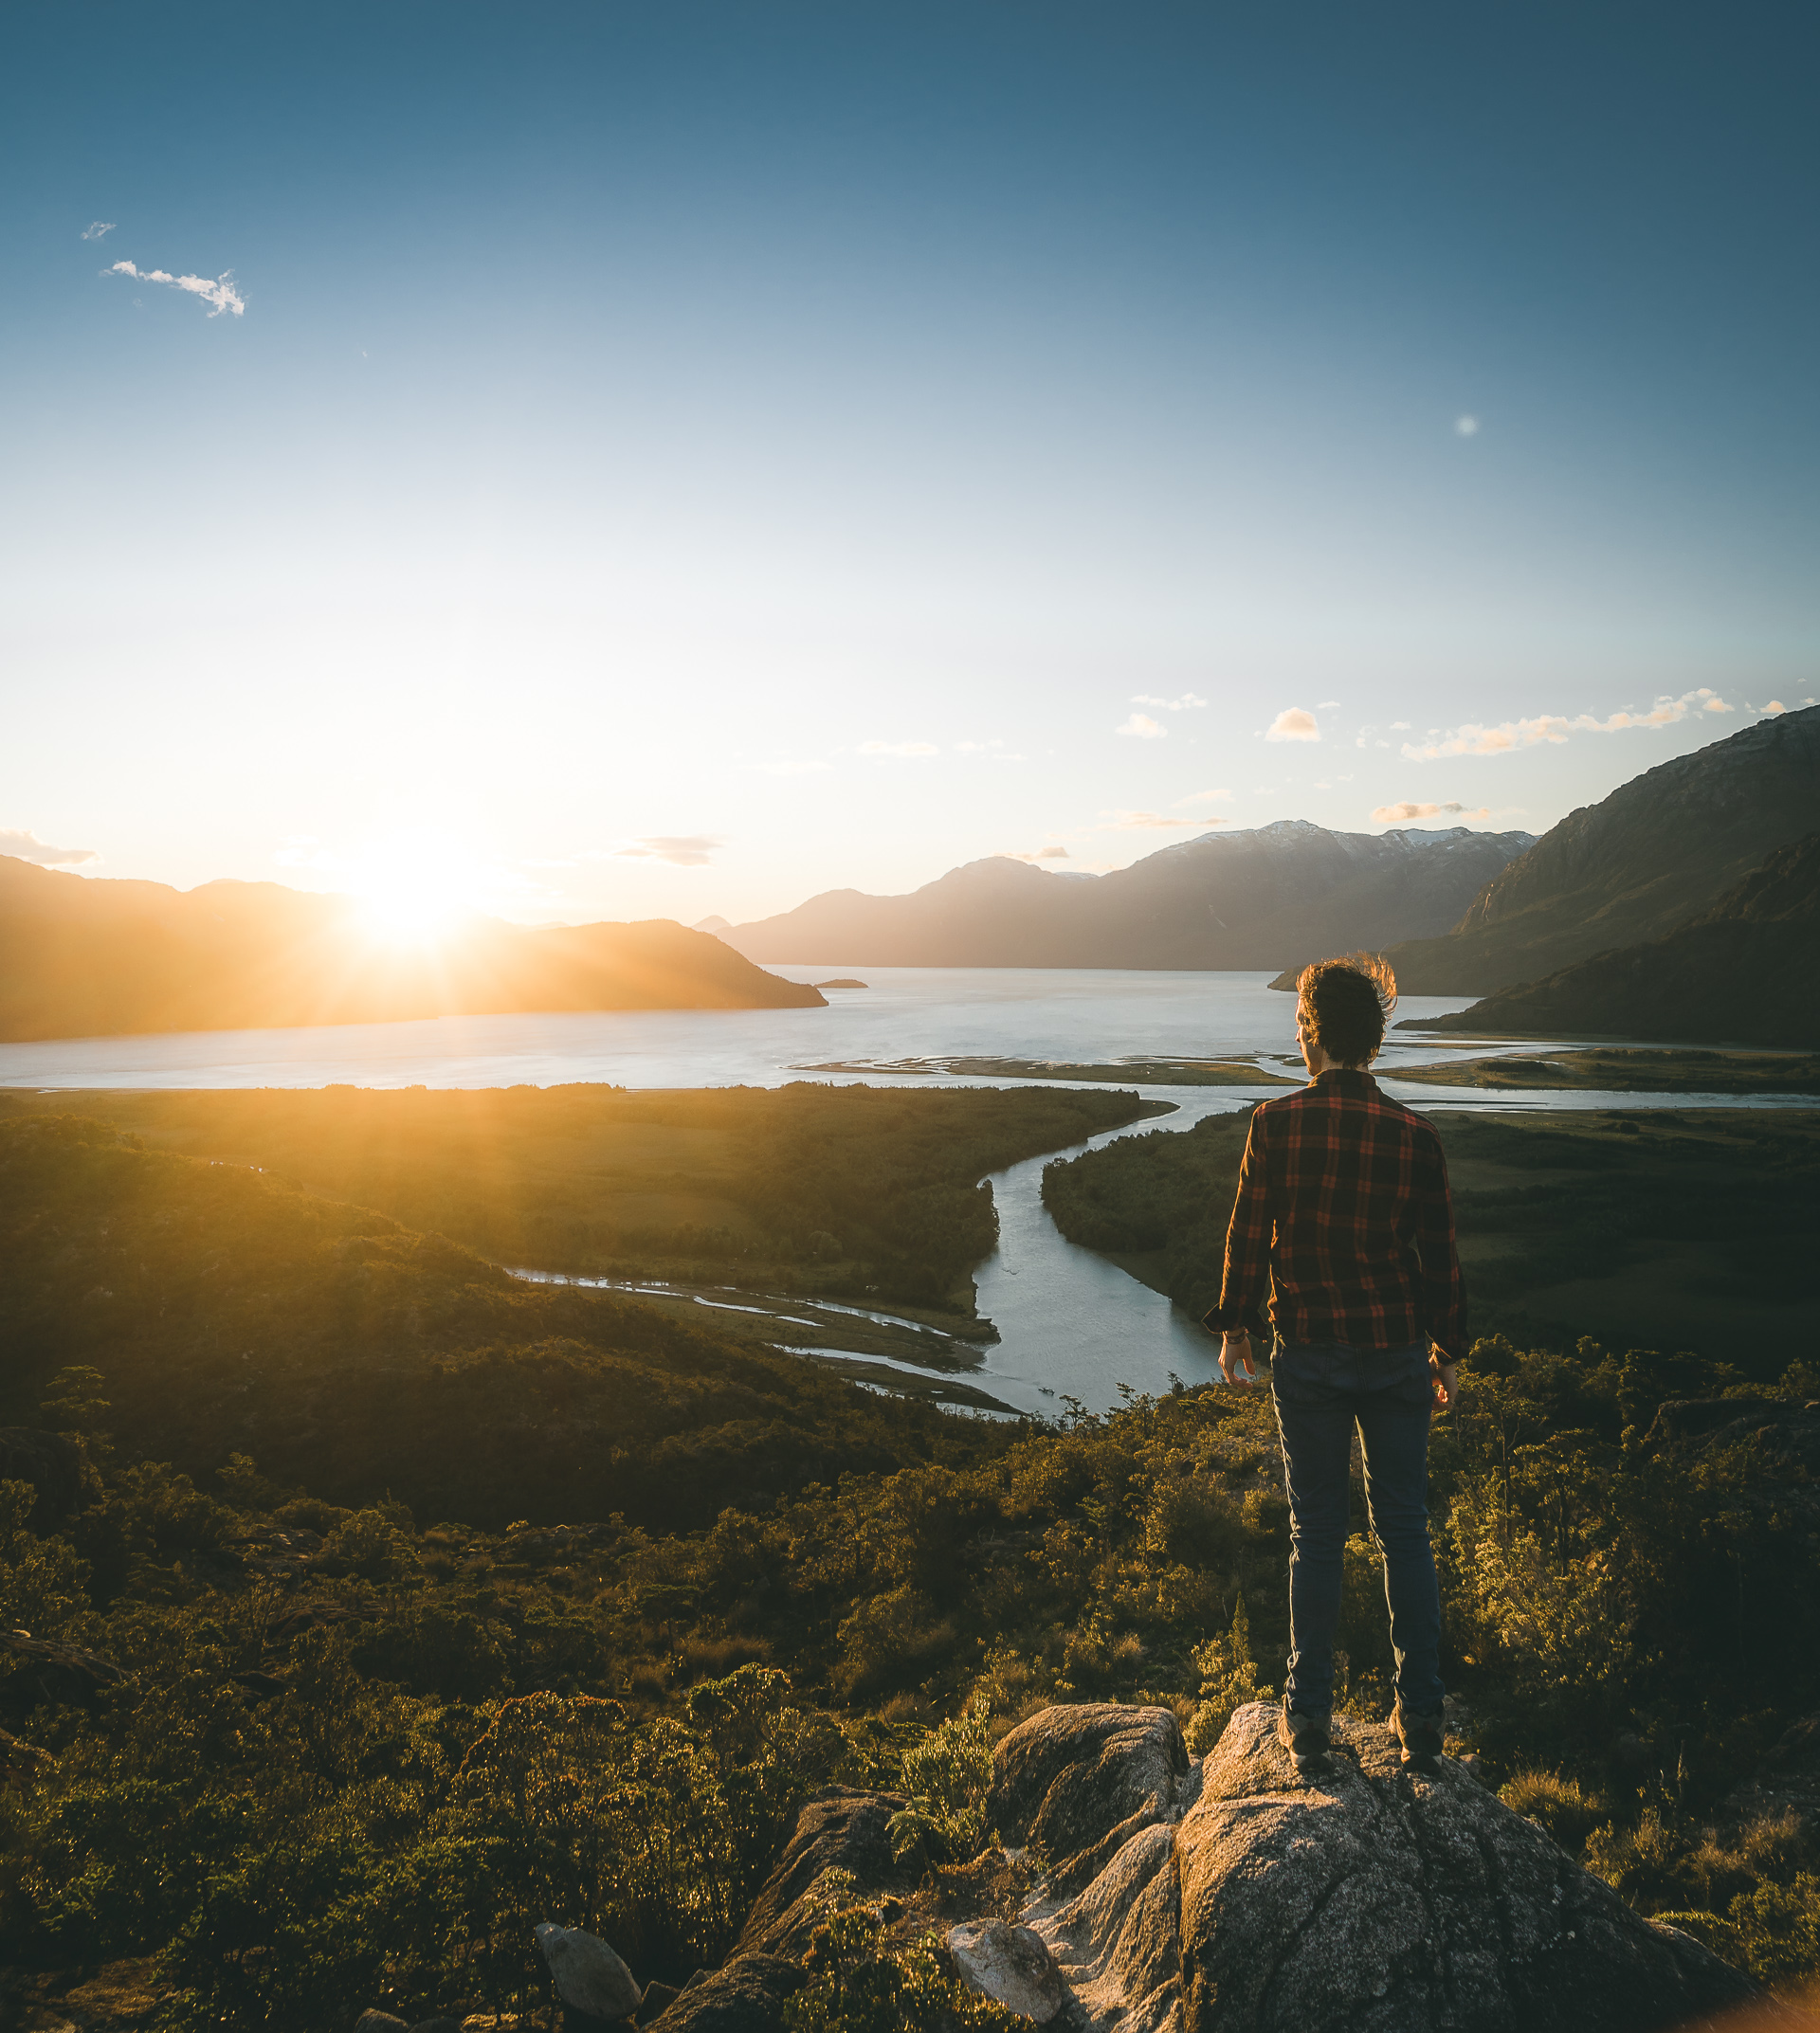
1343, 1207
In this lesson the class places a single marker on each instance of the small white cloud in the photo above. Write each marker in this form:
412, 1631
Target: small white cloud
1322, 784
1466, 426
1327, 705
1142, 728
1145, 822
1770, 711
681, 850
24, 844
97, 229
1202, 797
1056, 852
1399, 727
1294, 723
899, 748
1188, 701
218, 292
1474, 739
1400, 814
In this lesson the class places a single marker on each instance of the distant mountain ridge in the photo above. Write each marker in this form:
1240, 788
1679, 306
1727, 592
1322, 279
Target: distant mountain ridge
1745, 973
1655, 854
1267, 896
87, 957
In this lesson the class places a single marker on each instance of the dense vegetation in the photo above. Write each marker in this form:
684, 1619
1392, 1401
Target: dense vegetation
319, 1747
1690, 1230
810, 1188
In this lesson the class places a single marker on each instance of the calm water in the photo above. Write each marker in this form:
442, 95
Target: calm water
1082, 1015
1071, 1323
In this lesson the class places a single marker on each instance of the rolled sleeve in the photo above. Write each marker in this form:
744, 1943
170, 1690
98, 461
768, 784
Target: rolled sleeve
1246, 1280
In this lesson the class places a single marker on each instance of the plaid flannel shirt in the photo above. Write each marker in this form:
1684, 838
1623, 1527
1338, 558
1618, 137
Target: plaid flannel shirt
1344, 1215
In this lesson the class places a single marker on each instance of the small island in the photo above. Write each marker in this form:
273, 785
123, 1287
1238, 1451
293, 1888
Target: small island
841, 984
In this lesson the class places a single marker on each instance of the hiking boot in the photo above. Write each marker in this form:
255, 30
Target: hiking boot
1307, 1738
1421, 1737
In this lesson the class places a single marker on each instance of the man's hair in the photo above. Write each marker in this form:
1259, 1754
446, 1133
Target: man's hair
1346, 1002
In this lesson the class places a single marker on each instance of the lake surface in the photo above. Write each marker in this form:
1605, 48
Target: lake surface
1071, 1324
1078, 1014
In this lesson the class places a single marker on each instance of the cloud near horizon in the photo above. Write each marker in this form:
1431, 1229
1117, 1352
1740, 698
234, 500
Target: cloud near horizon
681, 850
899, 748
1294, 723
1473, 740
1396, 815
24, 844
218, 291
1142, 728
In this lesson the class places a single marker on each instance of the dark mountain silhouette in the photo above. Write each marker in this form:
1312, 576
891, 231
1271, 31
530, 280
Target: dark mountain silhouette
1653, 856
1745, 973
81, 957
1266, 897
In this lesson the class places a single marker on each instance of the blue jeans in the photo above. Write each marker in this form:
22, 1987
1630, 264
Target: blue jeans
1322, 1390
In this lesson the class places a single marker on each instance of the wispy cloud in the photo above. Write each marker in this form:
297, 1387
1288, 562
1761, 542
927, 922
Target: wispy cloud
682, 851
1473, 740
218, 292
1465, 426
1188, 701
899, 748
97, 229
1202, 797
1055, 852
24, 845
1400, 814
1116, 822
1142, 728
1294, 723
1326, 705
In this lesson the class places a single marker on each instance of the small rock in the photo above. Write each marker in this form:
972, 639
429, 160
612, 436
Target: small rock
376, 2022
588, 1975
1010, 1964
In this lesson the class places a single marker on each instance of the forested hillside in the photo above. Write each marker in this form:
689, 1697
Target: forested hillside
314, 1755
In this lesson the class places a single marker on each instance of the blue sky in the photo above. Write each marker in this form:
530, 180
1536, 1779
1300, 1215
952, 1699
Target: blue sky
660, 461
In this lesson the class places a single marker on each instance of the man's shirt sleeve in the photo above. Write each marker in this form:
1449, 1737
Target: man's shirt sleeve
1247, 1278
1442, 1304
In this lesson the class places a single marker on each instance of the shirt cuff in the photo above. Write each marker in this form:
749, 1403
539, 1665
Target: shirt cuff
1235, 1320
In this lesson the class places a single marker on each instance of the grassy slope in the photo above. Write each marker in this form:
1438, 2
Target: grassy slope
1634, 1072
843, 1191
1653, 1230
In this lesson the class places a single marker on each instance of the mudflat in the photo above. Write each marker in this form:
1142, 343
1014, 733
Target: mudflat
1634, 1070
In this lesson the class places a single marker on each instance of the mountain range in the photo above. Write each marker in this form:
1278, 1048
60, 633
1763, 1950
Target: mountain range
86, 957
1267, 896
1655, 856
1747, 971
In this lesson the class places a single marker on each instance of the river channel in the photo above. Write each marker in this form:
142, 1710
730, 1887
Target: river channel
1070, 1323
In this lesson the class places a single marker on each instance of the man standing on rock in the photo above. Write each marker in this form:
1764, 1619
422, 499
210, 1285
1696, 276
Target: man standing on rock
1343, 1208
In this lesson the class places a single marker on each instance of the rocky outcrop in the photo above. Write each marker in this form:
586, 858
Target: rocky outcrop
839, 1830
1244, 1901
745, 1996
1077, 1784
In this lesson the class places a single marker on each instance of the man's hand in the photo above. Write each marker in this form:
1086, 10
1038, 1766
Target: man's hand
1442, 1381
1235, 1359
